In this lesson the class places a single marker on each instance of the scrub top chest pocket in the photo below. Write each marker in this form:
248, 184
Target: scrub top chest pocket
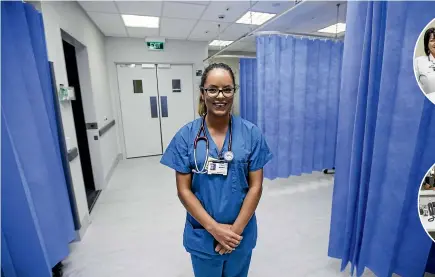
239, 172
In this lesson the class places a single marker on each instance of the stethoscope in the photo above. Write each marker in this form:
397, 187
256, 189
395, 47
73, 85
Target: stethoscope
228, 156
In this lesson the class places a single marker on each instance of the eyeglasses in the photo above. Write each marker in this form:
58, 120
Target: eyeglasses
214, 92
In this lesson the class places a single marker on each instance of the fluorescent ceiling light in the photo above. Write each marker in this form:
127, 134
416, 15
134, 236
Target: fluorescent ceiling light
140, 21
339, 27
221, 42
258, 18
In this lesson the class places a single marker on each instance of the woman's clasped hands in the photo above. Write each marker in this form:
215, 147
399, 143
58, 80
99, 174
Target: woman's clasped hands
227, 239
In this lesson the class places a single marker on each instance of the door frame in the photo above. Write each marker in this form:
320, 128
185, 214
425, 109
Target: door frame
119, 106
88, 102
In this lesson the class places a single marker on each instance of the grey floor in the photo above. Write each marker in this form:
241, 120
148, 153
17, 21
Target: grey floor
138, 221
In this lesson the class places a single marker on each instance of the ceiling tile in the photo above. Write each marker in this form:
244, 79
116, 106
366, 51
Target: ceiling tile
276, 7
199, 32
304, 15
176, 28
235, 31
234, 12
182, 10
99, 6
199, 39
193, 2
151, 8
109, 24
142, 32
308, 18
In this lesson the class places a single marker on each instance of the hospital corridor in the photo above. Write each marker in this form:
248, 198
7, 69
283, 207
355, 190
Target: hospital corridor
140, 216
163, 138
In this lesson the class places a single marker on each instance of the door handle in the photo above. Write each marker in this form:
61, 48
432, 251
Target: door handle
164, 103
153, 103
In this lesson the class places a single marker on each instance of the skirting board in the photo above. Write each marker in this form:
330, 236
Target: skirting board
112, 169
85, 224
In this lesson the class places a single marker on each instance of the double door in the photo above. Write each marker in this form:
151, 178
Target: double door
156, 101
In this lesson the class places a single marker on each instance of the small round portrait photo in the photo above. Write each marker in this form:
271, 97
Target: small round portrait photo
424, 61
426, 203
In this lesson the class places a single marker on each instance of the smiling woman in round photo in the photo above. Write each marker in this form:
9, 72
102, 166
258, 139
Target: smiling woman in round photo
424, 61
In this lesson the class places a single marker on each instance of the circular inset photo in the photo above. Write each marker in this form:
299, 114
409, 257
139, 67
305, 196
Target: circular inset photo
426, 202
424, 61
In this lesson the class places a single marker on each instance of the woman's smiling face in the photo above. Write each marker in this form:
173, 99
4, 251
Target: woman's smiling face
431, 44
220, 79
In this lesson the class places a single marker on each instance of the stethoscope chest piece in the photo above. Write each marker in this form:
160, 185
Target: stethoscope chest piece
229, 156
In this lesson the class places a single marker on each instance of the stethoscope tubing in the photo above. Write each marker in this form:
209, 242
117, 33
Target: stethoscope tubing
202, 171
198, 138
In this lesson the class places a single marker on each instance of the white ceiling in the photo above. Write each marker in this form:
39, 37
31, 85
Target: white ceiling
198, 20
309, 17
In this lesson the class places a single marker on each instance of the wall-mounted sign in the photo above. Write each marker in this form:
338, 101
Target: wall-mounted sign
156, 45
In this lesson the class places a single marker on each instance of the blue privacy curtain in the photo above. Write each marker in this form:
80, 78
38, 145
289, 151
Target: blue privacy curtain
248, 89
36, 217
298, 95
384, 142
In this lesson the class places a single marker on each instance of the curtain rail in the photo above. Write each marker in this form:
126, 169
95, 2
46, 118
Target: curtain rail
256, 30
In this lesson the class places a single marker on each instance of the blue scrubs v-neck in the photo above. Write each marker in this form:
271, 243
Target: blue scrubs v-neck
212, 143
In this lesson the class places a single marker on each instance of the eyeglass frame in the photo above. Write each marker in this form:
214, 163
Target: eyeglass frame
220, 90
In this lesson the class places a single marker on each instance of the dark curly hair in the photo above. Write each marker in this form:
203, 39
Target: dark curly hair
427, 34
202, 109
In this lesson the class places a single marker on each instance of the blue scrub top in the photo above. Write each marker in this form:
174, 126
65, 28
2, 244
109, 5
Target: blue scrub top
221, 196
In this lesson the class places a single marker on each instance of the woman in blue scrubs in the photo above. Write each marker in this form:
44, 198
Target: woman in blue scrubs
220, 190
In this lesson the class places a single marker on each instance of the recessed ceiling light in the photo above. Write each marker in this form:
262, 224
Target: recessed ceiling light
221, 42
140, 21
339, 28
258, 18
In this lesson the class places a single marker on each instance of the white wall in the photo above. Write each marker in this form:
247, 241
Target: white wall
127, 50
69, 17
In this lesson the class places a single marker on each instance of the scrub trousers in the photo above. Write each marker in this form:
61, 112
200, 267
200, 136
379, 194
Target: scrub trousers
236, 265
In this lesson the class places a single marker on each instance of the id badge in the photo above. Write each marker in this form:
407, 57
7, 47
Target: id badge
210, 160
218, 167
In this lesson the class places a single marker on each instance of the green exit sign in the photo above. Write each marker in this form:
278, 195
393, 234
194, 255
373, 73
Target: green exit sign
156, 45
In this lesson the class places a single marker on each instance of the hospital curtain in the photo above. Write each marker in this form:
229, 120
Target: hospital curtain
298, 95
36, 217
248, 89
384, 142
